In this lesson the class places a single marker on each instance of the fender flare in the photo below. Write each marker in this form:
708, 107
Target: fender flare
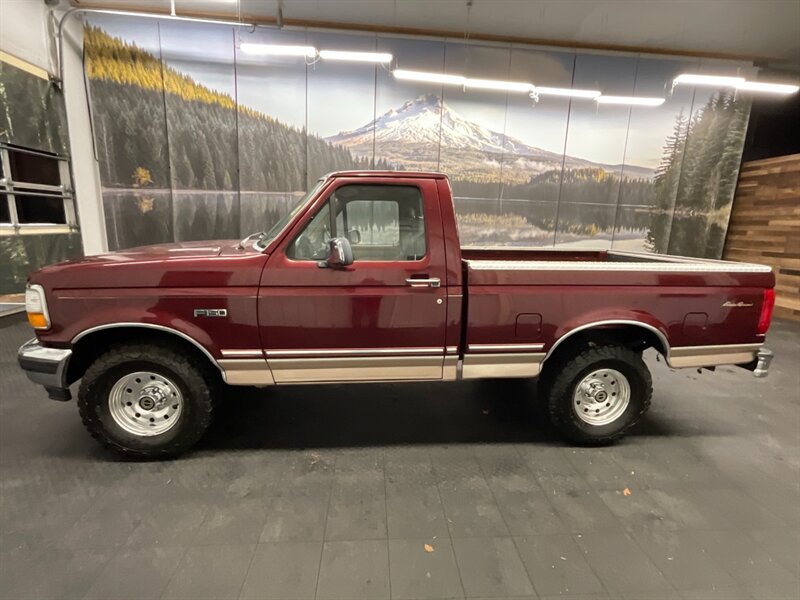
162, 328
627, 322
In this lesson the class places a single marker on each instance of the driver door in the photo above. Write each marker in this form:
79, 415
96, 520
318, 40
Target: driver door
381, 318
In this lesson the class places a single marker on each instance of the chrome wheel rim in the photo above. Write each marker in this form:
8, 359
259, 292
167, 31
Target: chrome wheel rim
601, 397
145, 403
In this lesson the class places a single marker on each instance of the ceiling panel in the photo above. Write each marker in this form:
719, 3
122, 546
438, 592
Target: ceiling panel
757, 28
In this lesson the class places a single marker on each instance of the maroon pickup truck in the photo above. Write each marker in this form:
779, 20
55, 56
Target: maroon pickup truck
365, 280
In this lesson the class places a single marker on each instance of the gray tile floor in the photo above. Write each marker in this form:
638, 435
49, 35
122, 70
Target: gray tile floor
333, 493
10, 308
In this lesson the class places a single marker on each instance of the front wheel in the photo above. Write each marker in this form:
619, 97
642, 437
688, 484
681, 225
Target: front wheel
146, 401
594, 397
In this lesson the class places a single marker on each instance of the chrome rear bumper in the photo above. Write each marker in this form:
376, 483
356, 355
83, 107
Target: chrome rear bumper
46, 366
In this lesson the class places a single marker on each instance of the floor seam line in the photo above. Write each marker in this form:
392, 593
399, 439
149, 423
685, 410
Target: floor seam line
325, 528
386, 524
447, 524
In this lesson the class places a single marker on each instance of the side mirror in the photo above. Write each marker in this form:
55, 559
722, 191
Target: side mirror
340, 254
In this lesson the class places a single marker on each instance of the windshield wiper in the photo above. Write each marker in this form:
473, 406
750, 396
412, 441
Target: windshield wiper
250, 237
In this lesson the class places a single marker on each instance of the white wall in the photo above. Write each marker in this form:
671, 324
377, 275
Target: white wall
25, 32
85, 169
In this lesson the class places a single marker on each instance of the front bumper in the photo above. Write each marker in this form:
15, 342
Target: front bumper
46, 366
760, 364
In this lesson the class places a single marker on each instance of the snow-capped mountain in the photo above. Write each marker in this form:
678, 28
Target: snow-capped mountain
409, 136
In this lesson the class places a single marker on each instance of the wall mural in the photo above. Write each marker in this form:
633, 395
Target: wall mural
33, 115
32, 112
199, 140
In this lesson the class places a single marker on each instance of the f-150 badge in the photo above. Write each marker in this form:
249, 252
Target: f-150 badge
210, 312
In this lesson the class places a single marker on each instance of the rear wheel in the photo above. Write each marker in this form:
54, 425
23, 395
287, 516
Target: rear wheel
146, 401
594, 397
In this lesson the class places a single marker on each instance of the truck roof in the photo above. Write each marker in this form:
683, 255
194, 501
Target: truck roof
374, 173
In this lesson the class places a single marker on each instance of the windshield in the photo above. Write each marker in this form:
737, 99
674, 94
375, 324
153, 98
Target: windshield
265, 237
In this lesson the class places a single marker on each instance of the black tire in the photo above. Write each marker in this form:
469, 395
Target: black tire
196, 383
559, 383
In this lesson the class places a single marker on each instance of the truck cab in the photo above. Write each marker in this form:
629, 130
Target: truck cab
380, 313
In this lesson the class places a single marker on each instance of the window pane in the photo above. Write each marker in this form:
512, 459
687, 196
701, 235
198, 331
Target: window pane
312, 243
33, 168
384, 222
377, 223
40, 209
5, 216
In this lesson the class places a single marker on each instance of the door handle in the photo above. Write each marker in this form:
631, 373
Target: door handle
433, 282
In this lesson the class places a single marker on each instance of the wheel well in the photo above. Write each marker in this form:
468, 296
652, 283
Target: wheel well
88, 348
631, 336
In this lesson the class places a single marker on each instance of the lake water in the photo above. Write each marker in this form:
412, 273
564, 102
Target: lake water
136, 217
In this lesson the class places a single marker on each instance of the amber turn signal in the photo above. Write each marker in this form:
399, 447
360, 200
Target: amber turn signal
37, 320
36, 306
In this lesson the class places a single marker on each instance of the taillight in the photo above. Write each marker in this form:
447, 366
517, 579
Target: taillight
766, 311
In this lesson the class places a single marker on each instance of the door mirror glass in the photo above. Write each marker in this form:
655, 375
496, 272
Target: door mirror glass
340, 254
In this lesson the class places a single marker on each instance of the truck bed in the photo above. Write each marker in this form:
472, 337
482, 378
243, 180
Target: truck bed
688, 306
588, 267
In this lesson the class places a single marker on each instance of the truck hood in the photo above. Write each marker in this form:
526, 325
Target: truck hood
180, 250
183, 264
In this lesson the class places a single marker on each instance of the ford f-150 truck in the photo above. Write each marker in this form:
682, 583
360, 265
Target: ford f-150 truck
365, 280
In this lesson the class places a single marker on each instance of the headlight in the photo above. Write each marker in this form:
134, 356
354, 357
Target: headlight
36, 307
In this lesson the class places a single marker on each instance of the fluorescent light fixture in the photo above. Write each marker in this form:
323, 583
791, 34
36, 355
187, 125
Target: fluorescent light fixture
715, 80
370, 57
278, 50
145, 15
630, 100
572, 93
429, 77
447, 79
491, 84
739, 83
494, 84
769, 88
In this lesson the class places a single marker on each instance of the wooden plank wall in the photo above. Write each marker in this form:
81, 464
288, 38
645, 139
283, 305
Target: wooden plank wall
765, 225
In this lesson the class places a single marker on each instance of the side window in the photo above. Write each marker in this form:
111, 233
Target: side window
376, 223
35, 190
312, 243
382, 222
